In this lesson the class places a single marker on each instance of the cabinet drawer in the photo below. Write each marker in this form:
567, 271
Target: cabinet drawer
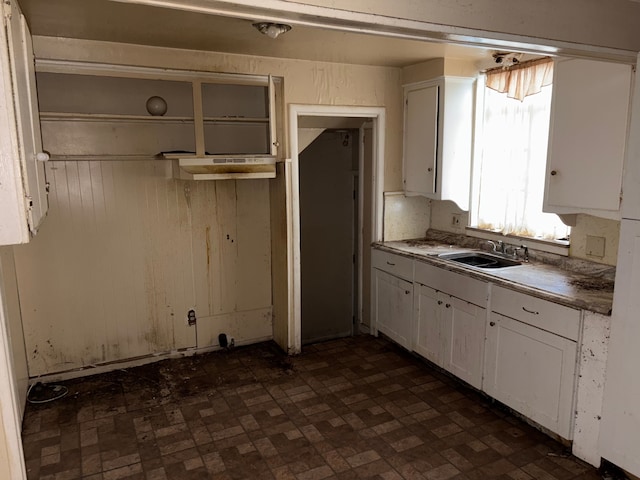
549, 316
467, 288
394, 264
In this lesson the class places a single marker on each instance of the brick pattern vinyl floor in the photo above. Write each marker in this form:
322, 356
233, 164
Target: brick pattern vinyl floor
347, 409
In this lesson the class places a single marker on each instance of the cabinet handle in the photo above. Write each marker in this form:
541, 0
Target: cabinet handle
392, 264
448, 305
430, 169
439, 302
554, 172
531, 311
492, 324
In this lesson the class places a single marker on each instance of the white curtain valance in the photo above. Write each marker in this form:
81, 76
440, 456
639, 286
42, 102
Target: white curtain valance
521, 80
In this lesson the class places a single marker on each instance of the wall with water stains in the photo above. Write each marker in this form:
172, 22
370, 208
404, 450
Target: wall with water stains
127, 251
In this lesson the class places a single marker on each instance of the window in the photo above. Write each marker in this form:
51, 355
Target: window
511, 154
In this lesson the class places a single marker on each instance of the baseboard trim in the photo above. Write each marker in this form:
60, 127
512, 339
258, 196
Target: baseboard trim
106, 367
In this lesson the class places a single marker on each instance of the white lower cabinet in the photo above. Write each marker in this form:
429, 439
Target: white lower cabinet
463, 337
449, 330
392, 306
427, 323
528, 365
522, 351
392, 296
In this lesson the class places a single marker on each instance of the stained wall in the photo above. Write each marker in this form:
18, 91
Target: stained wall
127, 250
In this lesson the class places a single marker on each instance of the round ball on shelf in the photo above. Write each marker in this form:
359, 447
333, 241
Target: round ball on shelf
156, 106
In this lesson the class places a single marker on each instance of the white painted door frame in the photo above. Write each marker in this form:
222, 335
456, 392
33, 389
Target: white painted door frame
377, 115
9, 404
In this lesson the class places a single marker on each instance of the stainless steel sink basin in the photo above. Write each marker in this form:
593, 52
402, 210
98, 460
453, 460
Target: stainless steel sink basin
480, 260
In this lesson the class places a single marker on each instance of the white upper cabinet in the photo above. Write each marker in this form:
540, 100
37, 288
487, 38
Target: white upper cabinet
101, 111
588, 129
437, 139
23, 186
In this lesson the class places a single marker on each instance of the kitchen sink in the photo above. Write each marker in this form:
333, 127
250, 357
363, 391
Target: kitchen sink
480, 260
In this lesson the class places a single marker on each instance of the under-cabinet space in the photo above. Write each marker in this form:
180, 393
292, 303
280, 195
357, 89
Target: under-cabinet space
530, 358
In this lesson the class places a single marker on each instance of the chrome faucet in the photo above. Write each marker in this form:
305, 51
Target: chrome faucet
496, 247
525, 252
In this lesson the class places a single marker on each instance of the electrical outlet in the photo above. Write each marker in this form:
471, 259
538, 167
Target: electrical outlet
455, 219
595, 246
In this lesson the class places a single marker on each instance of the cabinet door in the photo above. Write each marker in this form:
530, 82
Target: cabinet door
236, 119
392, 307
427, 323
34, 181
587, 136
421, 140
531, 371
463, 328
22, 182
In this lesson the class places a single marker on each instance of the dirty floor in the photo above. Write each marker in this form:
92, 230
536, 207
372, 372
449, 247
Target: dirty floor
346, 409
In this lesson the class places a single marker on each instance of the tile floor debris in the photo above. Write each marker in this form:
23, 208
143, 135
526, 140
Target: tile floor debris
347, 409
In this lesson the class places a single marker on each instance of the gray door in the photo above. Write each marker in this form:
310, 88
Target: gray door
327, 218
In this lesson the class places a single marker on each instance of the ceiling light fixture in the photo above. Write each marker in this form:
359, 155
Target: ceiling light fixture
272, 30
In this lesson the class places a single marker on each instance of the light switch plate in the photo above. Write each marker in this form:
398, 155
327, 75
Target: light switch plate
595, 246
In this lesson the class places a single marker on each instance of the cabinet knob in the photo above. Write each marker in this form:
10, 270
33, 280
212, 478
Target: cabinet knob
42, 156
430, 169
439, 302
276, 144
407, 292
448, 305
492, 324
554, 173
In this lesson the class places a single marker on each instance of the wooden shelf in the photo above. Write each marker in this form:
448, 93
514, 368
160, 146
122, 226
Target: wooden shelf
114, 158
209, 120
107, 117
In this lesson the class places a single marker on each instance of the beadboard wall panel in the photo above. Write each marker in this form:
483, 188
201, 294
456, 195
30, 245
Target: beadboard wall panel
128, 251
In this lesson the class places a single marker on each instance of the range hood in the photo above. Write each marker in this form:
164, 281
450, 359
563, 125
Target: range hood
232, 167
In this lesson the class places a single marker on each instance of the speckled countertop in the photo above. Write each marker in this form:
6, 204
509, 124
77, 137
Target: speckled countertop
578, 284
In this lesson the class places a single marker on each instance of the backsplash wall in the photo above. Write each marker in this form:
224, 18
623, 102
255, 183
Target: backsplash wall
442, 213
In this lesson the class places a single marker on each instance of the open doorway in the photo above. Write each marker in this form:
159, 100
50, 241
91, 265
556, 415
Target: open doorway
347, 269
329, 169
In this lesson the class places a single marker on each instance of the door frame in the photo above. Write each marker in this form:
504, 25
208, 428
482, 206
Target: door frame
377, 116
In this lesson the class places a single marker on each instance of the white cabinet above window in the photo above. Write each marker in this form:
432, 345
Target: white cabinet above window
587, 135
438, 118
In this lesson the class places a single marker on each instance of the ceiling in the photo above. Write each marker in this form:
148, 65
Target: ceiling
140, 24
